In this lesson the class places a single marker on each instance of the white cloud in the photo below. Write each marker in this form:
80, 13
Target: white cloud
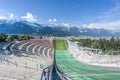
49, 20
29, 17
65, 24
11, 15
52, 20
94, 25
113, 25
112, 13
3, 17
109, 19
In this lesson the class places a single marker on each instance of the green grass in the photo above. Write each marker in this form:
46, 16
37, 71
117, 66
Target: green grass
60, 44
79, 71
73, 69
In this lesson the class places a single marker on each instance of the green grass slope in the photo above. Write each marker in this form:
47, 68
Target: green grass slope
60, 44
79, 71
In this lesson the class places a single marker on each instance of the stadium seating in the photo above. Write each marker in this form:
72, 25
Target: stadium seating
39, 48
92, 56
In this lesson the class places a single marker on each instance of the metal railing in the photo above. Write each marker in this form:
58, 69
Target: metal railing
53, 72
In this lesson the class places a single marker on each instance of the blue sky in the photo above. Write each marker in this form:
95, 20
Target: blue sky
85, 13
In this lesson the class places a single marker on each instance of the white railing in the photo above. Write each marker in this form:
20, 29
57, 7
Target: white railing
30, 65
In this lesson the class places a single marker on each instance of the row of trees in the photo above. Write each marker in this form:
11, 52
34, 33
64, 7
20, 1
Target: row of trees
6, 38
101, 43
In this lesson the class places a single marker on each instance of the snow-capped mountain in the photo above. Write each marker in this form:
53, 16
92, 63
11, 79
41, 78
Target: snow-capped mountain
25, 27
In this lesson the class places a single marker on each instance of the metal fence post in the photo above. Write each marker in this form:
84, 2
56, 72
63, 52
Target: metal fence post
41, 66
26, 64
0, 59
7, 62
37, 66
16, 63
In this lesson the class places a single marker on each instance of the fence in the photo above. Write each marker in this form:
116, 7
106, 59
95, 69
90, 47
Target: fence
29, 65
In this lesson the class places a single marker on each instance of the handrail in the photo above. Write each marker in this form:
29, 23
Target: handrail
53, 72
45, 73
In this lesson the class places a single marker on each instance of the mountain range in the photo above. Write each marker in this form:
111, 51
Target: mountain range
25, 27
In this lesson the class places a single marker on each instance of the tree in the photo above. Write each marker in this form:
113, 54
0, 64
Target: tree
106, 45
40, 37
3, 37
112, 39
25, 37
12, 38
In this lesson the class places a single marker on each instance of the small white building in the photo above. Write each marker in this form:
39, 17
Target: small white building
77, 44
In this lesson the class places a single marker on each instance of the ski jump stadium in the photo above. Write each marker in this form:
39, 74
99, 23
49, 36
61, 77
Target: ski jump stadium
57, 59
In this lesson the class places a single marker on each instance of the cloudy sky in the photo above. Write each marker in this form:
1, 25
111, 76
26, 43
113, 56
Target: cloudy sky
85, 13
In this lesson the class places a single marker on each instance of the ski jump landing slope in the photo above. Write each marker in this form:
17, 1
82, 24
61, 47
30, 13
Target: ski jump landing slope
75, 70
